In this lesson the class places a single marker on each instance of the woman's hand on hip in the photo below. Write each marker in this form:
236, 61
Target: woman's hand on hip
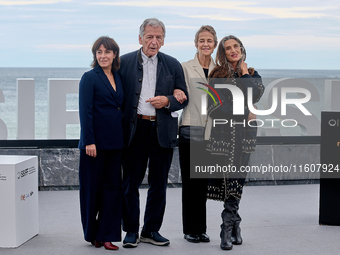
91, 150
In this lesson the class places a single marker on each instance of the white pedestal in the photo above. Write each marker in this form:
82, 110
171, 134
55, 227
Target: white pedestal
19, 214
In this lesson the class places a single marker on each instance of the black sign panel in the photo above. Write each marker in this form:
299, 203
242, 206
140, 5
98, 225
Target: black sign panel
330, 172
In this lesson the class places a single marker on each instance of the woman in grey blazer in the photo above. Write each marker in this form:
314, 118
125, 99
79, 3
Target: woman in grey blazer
191, 136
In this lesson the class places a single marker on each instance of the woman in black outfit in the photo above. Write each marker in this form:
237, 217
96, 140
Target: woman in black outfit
231, 145
100, 144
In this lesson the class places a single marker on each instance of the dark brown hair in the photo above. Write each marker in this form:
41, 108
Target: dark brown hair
223, 67
109, 44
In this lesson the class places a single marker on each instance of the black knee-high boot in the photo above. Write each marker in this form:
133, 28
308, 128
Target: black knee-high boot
228, 220
236, 233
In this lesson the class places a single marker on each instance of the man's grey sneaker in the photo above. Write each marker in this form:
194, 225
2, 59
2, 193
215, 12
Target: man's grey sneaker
131, 240
154, 238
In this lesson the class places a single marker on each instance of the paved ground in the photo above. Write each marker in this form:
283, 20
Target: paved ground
276, 220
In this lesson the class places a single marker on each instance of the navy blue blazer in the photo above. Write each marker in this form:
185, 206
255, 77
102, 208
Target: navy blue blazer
169, 77
100, 111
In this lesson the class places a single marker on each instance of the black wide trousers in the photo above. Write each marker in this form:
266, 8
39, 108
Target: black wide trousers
194, 191
101, 195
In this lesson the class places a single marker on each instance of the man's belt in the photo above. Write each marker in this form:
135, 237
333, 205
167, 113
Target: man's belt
146, 117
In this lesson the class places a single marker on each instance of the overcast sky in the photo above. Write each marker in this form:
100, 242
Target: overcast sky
290, 34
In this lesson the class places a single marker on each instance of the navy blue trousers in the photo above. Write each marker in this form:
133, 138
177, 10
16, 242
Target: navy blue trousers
101, 195
144, 150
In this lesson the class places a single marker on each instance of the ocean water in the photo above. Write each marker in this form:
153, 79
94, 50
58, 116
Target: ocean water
8, 81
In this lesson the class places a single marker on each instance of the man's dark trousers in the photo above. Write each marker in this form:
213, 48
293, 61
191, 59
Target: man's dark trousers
145, 148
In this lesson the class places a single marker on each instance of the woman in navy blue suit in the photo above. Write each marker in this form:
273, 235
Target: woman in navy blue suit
100, 144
